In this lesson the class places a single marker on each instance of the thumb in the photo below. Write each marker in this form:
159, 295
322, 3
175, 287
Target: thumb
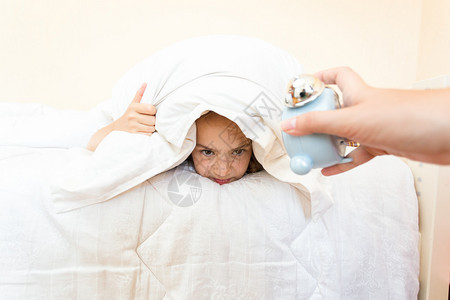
140, 92
359, 156
329, 122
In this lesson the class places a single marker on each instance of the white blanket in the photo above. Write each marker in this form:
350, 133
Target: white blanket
182, 236
93, 225
243, 79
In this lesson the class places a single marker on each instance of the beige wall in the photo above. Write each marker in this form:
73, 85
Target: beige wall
434, 50
70, 53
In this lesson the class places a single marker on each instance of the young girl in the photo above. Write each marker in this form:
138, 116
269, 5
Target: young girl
222, 152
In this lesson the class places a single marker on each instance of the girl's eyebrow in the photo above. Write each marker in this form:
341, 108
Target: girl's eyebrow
203, 146
243, 145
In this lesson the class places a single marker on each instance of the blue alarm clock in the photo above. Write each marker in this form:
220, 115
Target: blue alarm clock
307, 93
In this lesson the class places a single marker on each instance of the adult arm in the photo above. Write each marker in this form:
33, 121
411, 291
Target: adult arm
410, 123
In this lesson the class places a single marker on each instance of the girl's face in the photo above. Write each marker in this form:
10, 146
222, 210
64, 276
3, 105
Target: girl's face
222, 153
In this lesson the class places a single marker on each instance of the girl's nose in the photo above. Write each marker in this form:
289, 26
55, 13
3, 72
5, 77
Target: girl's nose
222, 168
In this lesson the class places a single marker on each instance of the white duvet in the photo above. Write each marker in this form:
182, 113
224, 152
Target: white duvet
126, 223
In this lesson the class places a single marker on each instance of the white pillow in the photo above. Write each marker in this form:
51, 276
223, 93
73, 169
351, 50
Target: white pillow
242, 78
42, 126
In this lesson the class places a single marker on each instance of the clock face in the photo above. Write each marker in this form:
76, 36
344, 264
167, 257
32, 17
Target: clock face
303, 89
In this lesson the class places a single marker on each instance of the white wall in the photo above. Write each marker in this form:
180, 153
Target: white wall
69, 54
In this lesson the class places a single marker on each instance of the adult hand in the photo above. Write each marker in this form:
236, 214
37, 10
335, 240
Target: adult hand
409, 123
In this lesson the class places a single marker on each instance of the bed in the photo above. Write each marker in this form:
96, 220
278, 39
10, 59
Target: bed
132, 221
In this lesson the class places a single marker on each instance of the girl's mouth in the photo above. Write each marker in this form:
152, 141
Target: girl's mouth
221, 181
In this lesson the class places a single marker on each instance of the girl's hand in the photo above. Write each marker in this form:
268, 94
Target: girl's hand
139, 117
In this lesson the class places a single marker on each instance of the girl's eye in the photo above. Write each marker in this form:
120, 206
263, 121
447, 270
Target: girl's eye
206, 152
238, 152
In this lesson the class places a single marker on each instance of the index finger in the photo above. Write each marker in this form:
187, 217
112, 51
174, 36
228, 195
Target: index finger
140, 92
344, 77
339, 76
328, 76
146, 109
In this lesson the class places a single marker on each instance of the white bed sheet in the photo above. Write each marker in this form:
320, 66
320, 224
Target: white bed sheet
248, 241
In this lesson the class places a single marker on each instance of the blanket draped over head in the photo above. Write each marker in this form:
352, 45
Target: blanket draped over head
241, 78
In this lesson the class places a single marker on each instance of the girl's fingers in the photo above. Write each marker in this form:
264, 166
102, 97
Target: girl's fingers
146, 120
145, 129
145, 109
146, 133
140, 92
